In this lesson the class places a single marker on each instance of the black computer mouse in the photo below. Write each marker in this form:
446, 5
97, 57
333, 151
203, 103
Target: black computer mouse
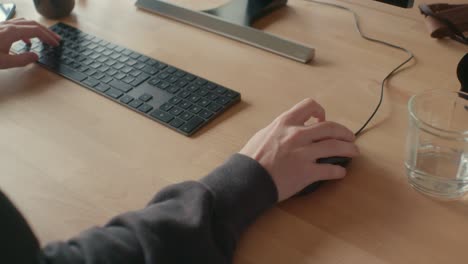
462, 73
342, 161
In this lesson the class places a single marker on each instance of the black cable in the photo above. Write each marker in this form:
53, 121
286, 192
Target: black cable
358, 27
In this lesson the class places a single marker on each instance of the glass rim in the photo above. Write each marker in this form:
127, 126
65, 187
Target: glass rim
420, 121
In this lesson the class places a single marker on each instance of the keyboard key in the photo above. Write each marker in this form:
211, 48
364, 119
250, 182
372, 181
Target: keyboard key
186, 116
189, 77
212, 96
163, 85
194, 98
136, 103
185, 104
98, 75
223, 100
203, 92
120, 76
121, 85
231, 94
192, 125
128, 79
140, 79
206, 114
143, 59
185, 94
195, 109
221, 90
171, 70
146, 97
150, 70
163, 75
200, 81
166, 107
204, 102
135, 56
106, 79
210, 86
176, 111
91, 82
114, 93
154, 81
214, 107
173, 89
102, 87
70, 73
172, 79
181, 83
193, 88
176, 122
126, 99
145, 108
175, 100
135, 73
163, 116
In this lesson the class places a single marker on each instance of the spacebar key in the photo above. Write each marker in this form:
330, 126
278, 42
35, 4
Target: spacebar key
70, 73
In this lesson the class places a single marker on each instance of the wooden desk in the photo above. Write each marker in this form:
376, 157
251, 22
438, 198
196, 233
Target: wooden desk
71, 159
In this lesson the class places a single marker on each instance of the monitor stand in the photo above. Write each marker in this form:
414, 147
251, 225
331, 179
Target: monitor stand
233, 20
245, 12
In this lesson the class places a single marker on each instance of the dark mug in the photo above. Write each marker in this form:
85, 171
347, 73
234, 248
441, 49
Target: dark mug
54, 8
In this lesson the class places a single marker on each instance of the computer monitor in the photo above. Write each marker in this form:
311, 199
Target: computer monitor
234, 18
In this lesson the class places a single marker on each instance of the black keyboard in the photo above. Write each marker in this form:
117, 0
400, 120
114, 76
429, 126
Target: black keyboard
170, 96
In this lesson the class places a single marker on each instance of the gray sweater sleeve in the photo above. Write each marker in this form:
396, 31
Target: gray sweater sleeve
190, 222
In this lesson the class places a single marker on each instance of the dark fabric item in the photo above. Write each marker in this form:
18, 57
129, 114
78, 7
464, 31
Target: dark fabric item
190, 222
17, 242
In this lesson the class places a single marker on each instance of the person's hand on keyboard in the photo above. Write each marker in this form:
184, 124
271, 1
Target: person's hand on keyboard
21, 29
288, 149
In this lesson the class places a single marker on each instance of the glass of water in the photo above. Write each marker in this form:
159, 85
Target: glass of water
437, 143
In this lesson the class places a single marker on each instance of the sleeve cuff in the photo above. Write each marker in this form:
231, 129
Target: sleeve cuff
243, 190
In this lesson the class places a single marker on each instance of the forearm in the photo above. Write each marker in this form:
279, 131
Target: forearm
191, 222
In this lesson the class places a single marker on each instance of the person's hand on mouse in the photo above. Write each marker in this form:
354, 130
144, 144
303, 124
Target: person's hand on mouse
288, 149
21, 29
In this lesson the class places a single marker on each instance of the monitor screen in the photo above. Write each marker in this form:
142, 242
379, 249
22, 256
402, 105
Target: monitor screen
400, 3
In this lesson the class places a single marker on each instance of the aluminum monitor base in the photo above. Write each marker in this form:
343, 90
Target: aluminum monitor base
208, 21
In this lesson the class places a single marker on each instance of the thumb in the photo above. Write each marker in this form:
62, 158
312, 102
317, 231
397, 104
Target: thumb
12, 61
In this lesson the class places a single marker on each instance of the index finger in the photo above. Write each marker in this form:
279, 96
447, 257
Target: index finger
303, 111
20, 32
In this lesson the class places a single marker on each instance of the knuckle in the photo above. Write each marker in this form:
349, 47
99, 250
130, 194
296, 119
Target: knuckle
9, 28
282, 120
293, 134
